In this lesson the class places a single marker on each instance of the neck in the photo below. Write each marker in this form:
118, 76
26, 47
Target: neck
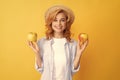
58, 35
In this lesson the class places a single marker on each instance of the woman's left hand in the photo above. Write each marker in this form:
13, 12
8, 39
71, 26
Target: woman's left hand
81, 48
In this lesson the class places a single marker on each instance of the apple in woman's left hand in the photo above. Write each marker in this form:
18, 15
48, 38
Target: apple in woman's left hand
81, 47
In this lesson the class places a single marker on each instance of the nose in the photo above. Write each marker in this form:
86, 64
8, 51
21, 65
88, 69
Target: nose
59, 22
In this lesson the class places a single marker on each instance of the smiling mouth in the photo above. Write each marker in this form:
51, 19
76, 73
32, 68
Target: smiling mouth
58, 27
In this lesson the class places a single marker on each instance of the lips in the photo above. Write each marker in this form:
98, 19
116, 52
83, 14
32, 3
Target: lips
58, 27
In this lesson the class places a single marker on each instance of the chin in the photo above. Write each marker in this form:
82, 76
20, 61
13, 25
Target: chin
58, 31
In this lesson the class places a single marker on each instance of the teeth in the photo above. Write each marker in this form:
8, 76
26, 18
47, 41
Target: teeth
58, 27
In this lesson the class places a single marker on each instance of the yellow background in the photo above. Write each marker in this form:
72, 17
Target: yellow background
100, 19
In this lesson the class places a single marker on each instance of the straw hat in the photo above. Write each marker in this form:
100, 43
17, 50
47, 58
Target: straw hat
66, 9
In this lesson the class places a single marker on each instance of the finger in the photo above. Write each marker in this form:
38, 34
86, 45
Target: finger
86, 43
31, 44
36, 45
28, 43
78, 44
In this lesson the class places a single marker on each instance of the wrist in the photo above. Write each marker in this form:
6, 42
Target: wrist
37, 53
79, 53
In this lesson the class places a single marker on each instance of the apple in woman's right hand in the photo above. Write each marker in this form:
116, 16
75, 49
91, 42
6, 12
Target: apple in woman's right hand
32, 36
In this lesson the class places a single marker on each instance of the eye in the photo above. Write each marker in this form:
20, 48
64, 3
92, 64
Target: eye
55, 20
63, 20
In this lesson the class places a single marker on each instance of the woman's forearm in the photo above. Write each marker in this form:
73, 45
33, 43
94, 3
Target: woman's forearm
80, 50
77, 61
38, 59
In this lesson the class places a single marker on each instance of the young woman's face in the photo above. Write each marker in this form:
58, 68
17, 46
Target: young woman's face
59, 24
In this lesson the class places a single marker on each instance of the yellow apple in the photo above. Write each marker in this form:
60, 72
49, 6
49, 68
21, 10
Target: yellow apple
32, 36
82, 37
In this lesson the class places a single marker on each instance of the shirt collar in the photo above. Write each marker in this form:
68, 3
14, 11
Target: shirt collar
52, 41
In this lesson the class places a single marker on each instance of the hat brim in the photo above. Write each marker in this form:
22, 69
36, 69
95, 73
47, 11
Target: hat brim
66, 9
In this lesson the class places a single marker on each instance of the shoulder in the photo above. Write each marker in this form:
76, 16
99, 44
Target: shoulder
73, 42
43, 40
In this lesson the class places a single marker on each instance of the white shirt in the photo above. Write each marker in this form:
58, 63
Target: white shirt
47, 56
59, 58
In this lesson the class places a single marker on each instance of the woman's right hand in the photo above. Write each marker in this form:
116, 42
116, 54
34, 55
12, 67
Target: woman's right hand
33, 46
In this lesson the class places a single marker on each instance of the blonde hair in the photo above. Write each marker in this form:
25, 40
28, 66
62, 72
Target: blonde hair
51, 15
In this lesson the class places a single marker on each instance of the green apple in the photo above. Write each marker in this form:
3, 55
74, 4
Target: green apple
82, 37
32, 36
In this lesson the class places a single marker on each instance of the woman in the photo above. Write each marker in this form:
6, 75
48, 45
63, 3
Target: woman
57, 55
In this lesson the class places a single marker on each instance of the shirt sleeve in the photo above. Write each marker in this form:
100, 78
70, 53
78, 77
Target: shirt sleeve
74, 48
75, 70
39, 69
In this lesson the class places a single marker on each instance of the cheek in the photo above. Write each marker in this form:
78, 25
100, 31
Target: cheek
64, 24
52, 24
64, 27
